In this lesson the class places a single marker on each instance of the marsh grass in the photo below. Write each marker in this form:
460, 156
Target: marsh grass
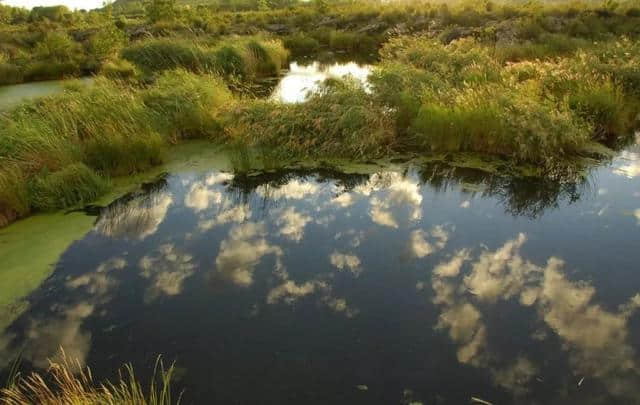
185, 105
459, 98
75, 184
301, 44
341, 119
247, 57
67, 382
119, 69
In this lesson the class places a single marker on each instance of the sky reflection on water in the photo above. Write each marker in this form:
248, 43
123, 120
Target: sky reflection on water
301, 80
428, 284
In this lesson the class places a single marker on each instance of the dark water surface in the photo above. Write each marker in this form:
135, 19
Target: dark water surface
419, 284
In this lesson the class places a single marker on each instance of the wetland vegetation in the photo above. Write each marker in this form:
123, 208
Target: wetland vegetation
541, 84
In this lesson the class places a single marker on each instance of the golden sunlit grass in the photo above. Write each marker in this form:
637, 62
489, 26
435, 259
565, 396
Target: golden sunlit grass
68, 383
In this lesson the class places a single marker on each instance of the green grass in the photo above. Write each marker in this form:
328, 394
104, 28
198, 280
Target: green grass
60, 151
340, 120
75, 184
248, 58
301, 44
119, 69
185, 105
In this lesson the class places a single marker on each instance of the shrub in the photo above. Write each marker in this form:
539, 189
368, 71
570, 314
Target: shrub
56, 47
106, 42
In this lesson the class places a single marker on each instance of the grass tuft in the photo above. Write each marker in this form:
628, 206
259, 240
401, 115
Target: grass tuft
67, 382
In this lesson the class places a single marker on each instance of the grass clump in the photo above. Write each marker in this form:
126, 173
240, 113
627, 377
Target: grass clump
459, 98
167, 54
66, 141
186, 105
66, 382
72, 185
301, 44
119, 69
499, 121
247, 58
341, 119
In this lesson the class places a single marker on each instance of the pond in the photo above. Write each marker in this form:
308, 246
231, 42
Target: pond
12, 95
384, 283
303, 79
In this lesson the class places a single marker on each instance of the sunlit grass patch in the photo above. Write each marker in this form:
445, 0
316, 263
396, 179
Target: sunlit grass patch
67, 382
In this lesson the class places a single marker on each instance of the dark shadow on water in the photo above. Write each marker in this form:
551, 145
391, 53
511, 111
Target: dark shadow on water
520, 196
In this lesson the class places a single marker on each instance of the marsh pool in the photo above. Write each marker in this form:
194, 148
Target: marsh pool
386, 283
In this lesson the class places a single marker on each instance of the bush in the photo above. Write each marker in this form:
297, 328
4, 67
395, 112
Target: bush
106, 43
56, 47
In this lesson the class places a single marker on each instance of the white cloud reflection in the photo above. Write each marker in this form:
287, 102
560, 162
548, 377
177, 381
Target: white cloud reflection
242, 251
135, 219
292, 224
167, 269
596, 339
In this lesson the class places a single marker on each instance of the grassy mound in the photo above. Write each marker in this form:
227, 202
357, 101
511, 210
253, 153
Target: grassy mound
248, 58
